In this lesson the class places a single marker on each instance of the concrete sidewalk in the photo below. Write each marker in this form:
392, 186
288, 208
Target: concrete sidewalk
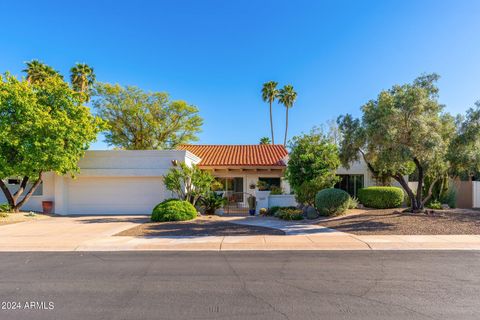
96, 233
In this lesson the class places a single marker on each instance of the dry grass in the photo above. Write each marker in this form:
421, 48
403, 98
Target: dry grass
20, 217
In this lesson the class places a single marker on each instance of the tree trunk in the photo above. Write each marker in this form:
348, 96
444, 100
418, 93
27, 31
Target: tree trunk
13, 202
271, 123
20, 190
286, 128
7, 193
414, 205
29, 193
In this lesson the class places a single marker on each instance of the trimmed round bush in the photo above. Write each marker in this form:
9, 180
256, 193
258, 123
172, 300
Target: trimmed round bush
332, 202
381, 197
174, 210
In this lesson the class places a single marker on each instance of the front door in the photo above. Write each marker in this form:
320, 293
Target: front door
235, 195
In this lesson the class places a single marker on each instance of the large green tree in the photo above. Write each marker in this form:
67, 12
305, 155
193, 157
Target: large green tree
403, 131
287, 97
43, 127
269, 95
313, 161
82, 78
464, 151
140, 120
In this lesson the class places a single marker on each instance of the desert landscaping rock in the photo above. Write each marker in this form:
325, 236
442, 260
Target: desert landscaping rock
395, 222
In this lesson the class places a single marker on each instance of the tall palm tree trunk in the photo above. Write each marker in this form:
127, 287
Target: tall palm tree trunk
271, 123
286, 128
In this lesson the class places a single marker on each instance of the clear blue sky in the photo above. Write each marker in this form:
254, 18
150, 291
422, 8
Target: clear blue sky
217, 54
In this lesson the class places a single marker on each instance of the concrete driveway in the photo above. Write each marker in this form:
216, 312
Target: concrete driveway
63, 233
96, 233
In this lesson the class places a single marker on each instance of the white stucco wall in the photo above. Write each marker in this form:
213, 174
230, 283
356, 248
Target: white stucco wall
114, 176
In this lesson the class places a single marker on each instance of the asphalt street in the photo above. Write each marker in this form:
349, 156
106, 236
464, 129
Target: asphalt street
241, 285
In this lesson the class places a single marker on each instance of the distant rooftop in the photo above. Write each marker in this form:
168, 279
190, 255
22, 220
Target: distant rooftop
260, 155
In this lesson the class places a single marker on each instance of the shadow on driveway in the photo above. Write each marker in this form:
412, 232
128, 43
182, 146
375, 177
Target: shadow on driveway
106, 219
197, 228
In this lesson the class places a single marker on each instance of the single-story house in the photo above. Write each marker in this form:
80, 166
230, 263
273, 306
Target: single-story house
130, 182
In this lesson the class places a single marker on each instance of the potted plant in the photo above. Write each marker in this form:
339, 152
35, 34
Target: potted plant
47, 207
252, 204
262, 185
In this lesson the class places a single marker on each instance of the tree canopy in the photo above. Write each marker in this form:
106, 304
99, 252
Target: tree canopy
265, 140
38, 71
82, 77
404, 130
43, 127
189, 183
140, 120
269, 94
312, 163
287, 97
464, 151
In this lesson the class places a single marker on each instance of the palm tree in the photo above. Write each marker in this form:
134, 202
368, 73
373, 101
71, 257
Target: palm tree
82, 77
265, 140
287, 97
38, 71
269, 94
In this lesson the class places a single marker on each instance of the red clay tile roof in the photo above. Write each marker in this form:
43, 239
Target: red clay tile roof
238, 155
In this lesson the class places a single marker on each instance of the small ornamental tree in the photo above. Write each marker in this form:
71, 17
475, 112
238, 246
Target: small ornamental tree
403, 131
189, 183
43, 127
312, 163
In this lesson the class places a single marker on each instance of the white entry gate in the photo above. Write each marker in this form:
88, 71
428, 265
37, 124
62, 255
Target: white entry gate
476, 194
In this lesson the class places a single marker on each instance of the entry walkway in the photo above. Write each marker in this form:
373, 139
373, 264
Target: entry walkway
97, 233
299, 227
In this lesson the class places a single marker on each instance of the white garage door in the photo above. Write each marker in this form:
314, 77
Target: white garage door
120, 195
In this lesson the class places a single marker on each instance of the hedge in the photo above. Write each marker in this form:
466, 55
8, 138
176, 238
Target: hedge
174, 210
381, 197
331, 202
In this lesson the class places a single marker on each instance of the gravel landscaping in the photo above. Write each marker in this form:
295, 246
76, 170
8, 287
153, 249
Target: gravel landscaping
197, 228
394, 222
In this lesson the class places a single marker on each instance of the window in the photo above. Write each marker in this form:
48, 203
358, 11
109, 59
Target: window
269, 182
350, 183
14, 183
231, 184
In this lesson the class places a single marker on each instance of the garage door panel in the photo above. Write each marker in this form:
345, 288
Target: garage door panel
114, 195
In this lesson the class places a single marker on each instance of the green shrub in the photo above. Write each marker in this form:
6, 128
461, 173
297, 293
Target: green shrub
274, 190
435, 204
450, 198
381, 197
174, 210
277, 210
353, 203
4, 207
290, 214
273, 210
263, 211
211, 202
331, 202
311, 212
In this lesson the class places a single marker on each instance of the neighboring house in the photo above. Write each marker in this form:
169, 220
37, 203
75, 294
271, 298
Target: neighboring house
130, 182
